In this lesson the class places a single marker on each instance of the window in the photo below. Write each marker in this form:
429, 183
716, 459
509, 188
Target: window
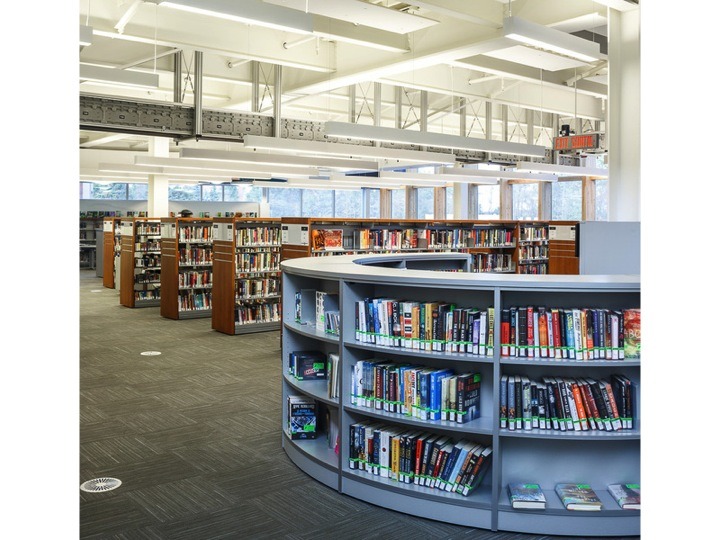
449, 203
525, 201
285, 202
567, 200
211, 192
425, 206
183, 192
372, 205
241, 193
397, 201
348, 203
488, 202
601, 200
137, 192
317, 203
93, 190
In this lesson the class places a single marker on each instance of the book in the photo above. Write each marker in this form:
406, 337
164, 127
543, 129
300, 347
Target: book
626, 495
302, 417
305, 365
631, 334
528, 496
578, 497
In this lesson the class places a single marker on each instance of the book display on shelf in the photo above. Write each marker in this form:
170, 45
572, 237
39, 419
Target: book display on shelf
626, 495
399, 444
186, 275
578, 497
302, 415
246, 275
533, 250
140, 262
89, 227
526, 496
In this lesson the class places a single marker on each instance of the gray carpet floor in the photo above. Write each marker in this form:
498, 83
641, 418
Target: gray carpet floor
194, 436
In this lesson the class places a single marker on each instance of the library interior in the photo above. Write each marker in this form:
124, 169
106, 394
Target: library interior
358, 269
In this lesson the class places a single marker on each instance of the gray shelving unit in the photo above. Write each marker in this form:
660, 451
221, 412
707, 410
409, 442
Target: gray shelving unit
543, 457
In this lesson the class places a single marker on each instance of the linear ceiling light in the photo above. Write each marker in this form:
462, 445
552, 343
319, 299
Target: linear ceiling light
480, 176
118, 76
561, 170
422, 138
352, 151
251, 12
225, 166
277, 159
550, 39
414, 179
86, 35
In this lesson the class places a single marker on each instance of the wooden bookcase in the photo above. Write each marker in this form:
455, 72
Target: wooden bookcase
186, 267
497, 246
246, 275
112, 244
546, 457
140, 262
562, 241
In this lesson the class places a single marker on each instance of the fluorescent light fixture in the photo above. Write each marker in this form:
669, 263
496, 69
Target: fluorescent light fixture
251, 12
86, 35
561, 170
414, 179
550, 39
276, 159
481, 176
361, 13
352, 151
118, 76
276, 170
423, 138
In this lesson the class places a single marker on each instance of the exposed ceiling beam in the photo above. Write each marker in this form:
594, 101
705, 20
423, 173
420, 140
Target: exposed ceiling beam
458, 14
104, 140
148, 58
129, 13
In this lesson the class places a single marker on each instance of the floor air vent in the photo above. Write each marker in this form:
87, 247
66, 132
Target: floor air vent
100, 485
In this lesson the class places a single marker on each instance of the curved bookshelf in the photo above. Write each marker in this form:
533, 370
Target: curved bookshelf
545, 457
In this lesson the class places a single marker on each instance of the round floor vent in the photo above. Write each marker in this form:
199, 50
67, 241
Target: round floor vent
100, 485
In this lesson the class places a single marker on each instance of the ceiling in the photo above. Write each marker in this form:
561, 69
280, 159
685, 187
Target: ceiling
449, 48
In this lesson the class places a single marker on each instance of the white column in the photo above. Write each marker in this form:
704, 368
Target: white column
158, 183
623, 117
460, 200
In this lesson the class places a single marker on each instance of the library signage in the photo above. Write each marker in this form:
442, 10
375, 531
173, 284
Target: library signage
576, 142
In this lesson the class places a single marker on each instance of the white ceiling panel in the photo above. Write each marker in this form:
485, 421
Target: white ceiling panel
362, 13
536, 58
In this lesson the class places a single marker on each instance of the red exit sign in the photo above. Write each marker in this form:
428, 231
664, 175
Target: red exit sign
576, 142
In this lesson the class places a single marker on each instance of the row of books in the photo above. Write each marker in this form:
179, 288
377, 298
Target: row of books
253, 262
110, 213
417, 391
533, 233
257, 287
418, 457
195, 233
257, 236
149, 245
146, 228
194, 301
536, 268
493, 262
253, 314
580, 497
425, 326
566, 404
195, 278
148, 260
150, 276
533, 252
195, 255
576, 333
152, 294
